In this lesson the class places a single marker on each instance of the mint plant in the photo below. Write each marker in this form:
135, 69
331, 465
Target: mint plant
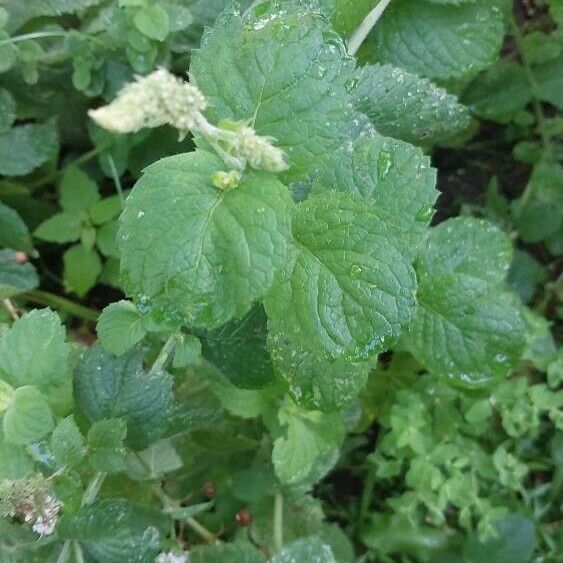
303, 353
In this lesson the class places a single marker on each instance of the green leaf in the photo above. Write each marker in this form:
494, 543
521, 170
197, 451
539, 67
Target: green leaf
539, 213
120, 327
13, 231
549, 77
408, 107
115, 530
7, 110
541, 47
314, 382
466, 327
155, 461
152, 21
346, 290
239, 350
395, 176
109, 387
500, 93
77, 191
106, 451
67, 443
81, 269
312, 550
28, 417
284, 70
34, 352
61, 228
221, 553
105, 210
188, 349
14, 461
349, 14
526, 275
26, 147
15, 278
444, 42
515, 543
198, 253
311, 436
107, 240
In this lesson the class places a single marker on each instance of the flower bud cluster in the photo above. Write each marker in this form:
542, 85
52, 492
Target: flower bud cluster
157, 99
162, 98
32, 500
171, 557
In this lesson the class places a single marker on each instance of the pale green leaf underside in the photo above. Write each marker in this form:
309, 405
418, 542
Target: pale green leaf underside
28, 417
346, 291
395, 176
466, 326
15, 278
312, 550
408, 107
444, 42
284, 71
120, 327
34, 352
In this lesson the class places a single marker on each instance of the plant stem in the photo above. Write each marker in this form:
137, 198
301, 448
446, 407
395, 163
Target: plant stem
367, 496
93, 489
36, 35
58, 302
278, 522
540, 117
78, 555
164, 355
116, 181
9, 306
65, 552
359, 36
201, 530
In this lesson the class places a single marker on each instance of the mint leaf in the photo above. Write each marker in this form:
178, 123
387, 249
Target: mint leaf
61, 227
152, 21
105, 210
444, 42
206, 254
14, 461
466, 327
188, 350
314, 382
106, 451
7, 110
395, 176
13, 231
310, 437
28, 418
67, 443
550, 83
109, 387
500, 93
283, 70
15, 278
26, 147
236, 551
428, 114
115, 530
346, 290
120, 327
81, 269
239, 350
312, 550
106, 239
77, 192
34, 352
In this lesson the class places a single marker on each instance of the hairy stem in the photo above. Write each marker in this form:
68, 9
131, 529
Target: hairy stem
93, 488
65, 552
58, 302
359, 36
29, 36
164, 355
9, 306
278, 522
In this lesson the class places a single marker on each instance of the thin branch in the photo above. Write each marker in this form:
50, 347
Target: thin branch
366, 26
9, 306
